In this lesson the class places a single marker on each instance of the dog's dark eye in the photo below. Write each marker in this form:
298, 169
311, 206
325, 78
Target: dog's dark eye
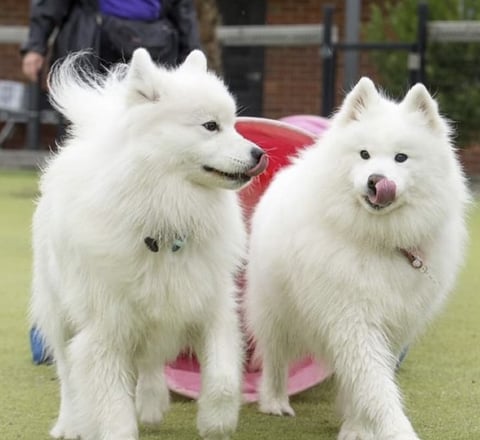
401, 157
364, 154
211, 126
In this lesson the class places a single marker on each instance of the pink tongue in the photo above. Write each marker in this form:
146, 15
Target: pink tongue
259, 168
385, 192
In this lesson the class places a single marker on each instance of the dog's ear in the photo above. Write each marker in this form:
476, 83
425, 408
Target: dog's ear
141, 78
418, 99
363, 95
196, 61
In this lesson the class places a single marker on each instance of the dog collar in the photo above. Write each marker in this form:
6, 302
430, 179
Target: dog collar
417, 262
175, 245
413, 257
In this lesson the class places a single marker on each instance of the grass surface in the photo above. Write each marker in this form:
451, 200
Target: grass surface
440, 378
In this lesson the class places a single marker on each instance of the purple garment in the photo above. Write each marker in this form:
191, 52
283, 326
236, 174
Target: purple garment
146, 10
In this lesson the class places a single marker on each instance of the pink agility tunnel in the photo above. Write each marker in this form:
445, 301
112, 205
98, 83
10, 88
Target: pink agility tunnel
314, 124
281, 140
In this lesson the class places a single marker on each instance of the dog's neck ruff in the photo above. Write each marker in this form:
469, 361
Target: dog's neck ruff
417, 262
175, 245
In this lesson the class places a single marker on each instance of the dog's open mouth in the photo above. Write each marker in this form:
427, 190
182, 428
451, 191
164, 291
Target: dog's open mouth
244, 176
236, 177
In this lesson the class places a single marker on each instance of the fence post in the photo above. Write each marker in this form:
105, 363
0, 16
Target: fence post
328, 58
353, 13
416, 58
422, 39
33, 124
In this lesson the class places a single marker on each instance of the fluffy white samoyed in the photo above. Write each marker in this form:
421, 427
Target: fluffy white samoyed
137, 239
354, 248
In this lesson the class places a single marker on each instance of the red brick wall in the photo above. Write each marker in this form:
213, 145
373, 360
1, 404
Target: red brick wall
12, 13
291, 85
470, 158
10, 63
292, 77
295, 11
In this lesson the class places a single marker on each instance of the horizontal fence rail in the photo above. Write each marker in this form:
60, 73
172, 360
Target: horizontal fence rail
266, 36
454, 31
293, 35
13, 34
272, 35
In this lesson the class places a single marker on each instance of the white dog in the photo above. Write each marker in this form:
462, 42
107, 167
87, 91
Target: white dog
354, 248
137, 240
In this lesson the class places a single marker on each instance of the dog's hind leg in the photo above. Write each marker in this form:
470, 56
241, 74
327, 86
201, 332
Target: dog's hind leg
152, 395
273, 388
266, 321
219, 350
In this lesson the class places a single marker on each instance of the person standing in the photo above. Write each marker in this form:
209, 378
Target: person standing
111, 29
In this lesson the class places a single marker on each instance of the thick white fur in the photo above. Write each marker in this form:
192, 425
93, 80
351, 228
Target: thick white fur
112, 311
325, 273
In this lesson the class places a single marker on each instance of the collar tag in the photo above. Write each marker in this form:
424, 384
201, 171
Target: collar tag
417, 263
415, 260
178, 243
151, 244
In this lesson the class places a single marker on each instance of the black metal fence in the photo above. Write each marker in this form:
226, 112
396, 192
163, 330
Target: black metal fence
330, 49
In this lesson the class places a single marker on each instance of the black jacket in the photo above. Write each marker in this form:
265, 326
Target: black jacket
78, 26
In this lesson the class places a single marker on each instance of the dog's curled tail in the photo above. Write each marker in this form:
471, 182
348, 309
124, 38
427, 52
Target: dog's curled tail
78, 90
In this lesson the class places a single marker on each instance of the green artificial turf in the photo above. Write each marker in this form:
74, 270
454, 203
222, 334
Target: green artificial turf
440, 378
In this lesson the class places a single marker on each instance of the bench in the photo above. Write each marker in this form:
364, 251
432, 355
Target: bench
22, 103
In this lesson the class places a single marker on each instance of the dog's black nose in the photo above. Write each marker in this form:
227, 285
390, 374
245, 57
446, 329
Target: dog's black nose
260, 162
373, 179
257, 153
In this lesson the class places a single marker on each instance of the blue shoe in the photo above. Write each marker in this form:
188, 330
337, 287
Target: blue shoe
39, 353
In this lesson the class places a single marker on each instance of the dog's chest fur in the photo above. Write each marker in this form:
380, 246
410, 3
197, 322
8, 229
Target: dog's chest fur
167, 288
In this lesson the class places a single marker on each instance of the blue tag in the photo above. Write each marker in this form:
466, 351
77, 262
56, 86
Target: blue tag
178, 243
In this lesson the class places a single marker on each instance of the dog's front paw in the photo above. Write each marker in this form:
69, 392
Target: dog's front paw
398, 432
151, 407
217, 420
353, 432
218, 436
276, 407
61, 430
403, 436
219, 429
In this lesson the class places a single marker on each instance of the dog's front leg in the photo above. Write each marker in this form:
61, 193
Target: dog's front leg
219, 351
152, 395
103, 384
365, 370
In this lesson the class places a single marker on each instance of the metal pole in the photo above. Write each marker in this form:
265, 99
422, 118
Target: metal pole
422, 40
327, 53
33, 124
352, 31
416, 58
